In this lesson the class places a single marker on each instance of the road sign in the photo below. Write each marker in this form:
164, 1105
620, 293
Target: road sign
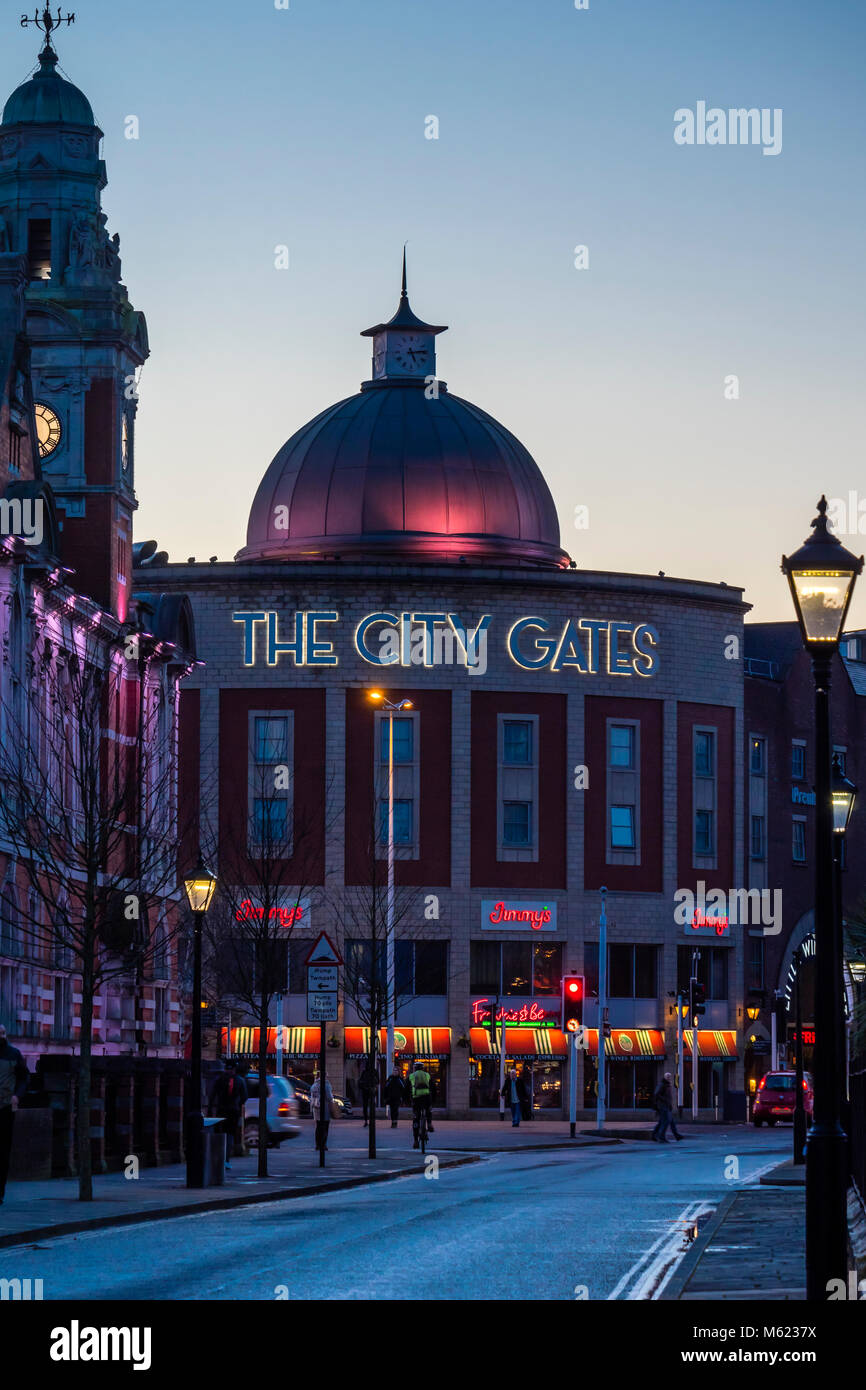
324, 952
321, 978
322, 1007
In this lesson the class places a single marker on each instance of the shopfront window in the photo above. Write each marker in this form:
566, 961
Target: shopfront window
630, 1085
516, 967
547, 968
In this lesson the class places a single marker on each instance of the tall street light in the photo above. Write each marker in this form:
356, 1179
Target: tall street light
199, 887
392, 708
843, 795
821, 575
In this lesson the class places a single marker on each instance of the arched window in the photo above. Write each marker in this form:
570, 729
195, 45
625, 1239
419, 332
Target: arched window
9, 919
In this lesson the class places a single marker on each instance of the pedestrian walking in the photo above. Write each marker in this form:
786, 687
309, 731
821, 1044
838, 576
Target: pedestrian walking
395, 1094
14, 1078
663, 1100
514, 1092
367, 1086
227, 1099
321, 1114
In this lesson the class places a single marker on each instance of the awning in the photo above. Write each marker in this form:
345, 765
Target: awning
712, 1042
297, 1042
519, 1042
409, 1042
629, 1044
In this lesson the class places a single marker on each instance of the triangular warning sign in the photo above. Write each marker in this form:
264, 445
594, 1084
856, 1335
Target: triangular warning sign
324, 952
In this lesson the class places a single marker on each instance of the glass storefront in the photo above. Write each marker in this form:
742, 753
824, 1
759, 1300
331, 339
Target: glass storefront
543, 1080
630, 1085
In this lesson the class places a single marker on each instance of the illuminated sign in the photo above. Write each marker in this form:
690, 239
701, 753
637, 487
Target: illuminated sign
532, 1014
808, 1036
709, 925
294, 916
801, 798
519, 916
590, 646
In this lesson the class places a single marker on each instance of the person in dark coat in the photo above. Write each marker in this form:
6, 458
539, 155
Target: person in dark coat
395, 1094
663, 1100
227, 1099
514, 1092
14, 1078
367, 1086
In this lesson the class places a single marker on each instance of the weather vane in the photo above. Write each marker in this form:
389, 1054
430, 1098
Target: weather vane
47, 22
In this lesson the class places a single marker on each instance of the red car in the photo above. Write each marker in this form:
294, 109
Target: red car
774, 1099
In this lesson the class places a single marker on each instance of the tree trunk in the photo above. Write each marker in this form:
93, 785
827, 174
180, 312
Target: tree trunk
263, 1090
85, 1153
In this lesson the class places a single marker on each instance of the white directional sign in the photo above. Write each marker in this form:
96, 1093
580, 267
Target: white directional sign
322, 981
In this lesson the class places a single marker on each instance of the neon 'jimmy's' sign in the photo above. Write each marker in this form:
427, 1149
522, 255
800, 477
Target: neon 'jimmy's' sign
589, 646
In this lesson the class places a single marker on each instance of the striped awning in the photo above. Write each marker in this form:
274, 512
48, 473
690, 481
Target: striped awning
712, 1042
409, 1042
519, 1042
629, 1044
297, 1042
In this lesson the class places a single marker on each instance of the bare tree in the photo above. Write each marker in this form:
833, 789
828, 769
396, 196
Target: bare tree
361, 912
89, 808
269, 850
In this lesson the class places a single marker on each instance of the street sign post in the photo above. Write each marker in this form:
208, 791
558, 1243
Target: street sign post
322, 964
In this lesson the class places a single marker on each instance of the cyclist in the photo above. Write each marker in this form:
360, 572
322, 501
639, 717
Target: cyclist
421, 1091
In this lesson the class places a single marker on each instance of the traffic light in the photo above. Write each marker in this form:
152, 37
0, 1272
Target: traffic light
697, 1001
572, 1003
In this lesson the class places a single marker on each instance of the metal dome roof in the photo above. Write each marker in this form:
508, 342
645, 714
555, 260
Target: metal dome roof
390, 473
48, 99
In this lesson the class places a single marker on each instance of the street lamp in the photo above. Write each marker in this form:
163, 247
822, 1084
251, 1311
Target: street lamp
199, 887
392, 708
821, 576
752, 1011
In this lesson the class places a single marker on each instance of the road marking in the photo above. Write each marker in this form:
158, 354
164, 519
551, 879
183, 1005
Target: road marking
656, 1265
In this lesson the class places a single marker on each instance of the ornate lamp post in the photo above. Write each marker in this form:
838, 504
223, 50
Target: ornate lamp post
799, 1106
843, 796
821, 575
199, 887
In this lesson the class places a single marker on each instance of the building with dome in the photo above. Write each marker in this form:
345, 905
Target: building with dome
566, 731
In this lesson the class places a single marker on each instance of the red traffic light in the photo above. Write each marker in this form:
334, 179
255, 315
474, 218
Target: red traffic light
572, 1003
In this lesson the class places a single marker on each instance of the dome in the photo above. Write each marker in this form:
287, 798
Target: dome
389, 473
47, 99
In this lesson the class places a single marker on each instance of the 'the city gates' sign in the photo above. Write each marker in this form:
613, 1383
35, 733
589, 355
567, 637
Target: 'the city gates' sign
590, 646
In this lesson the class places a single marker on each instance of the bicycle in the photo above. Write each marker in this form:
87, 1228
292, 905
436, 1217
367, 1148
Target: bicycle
422, 1128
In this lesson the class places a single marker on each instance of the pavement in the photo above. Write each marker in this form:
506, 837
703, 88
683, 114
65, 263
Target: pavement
35, 1210
753, 1246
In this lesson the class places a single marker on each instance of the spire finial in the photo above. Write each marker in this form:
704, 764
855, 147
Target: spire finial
403, 294
47, 22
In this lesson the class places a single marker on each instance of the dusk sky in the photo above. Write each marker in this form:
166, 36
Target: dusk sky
305, 127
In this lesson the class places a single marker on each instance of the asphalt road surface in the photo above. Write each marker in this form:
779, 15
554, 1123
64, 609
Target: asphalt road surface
585, 1224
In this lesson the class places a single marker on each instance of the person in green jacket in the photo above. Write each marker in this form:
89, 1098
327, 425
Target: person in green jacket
421, 1091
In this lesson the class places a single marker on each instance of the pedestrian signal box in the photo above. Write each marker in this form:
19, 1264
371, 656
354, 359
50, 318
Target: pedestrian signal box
572, 1003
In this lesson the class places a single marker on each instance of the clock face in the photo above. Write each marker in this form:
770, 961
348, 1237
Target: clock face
410, 354
124, 443
48, 429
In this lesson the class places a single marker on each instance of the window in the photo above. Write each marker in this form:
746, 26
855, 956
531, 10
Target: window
298, 952
632, 971
39, 248
404, 739
160, 1015
9, 920
403, 822
271, 736
14, 450
798, 761
431, 967
757, 757
622, 827
516, 742
704, 840
712, 970
646, 972
621, 745
517, 823
755, 963
705, 753
798, 841
547, 968
8, 998
757, 838
514, 967
841, 754
62, 1021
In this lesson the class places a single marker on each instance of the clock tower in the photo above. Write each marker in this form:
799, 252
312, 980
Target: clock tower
87, 342
404, 348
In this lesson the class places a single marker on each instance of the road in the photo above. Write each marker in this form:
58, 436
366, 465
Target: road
589, 1223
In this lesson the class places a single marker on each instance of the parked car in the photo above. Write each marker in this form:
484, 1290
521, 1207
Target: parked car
775, 1096
281, 1110
302, 1093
